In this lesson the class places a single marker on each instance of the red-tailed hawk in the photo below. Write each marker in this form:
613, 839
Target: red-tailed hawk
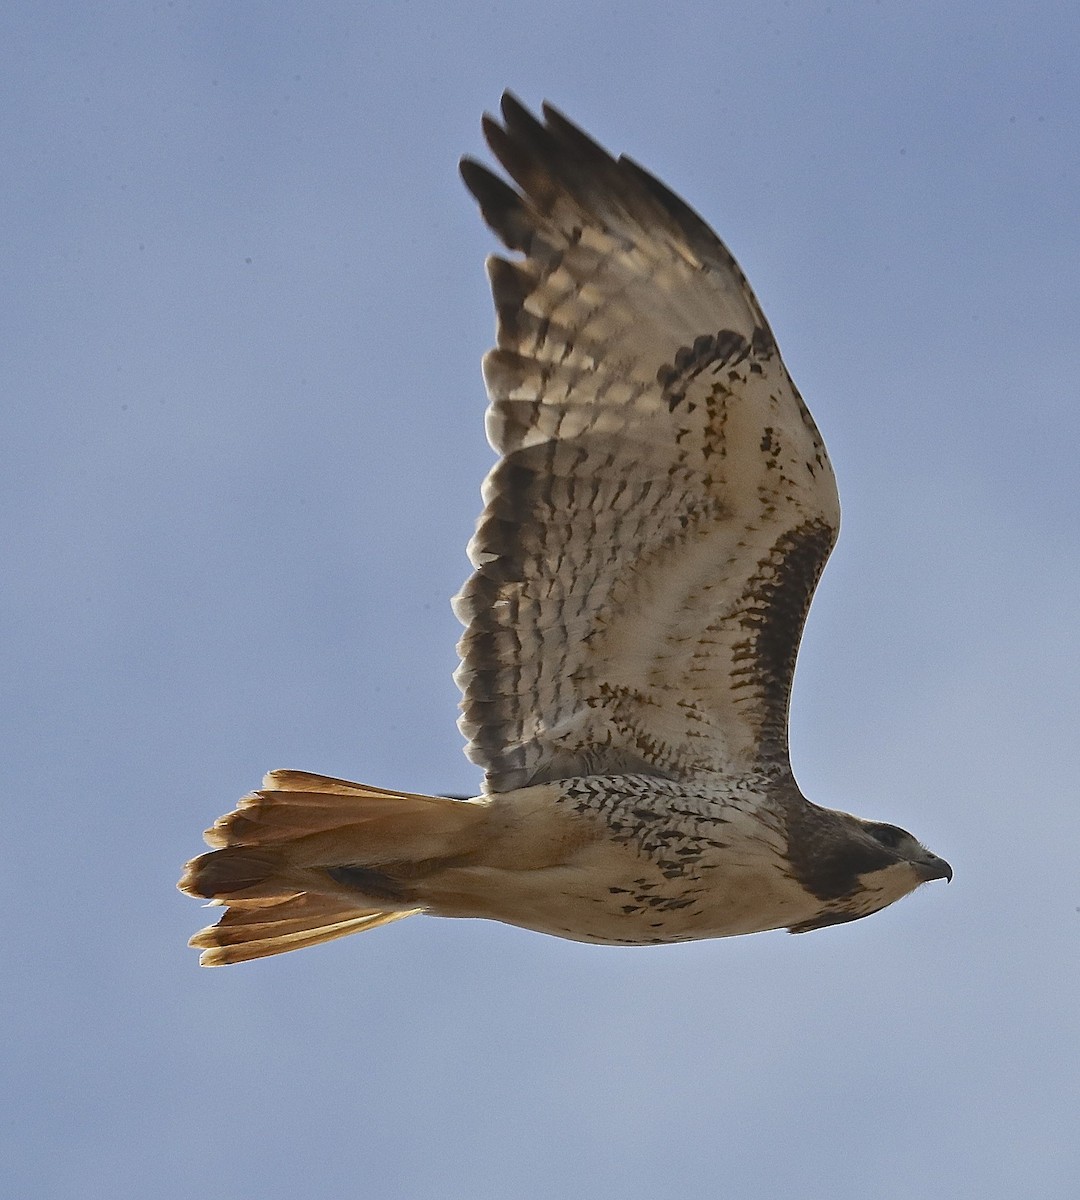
651, 539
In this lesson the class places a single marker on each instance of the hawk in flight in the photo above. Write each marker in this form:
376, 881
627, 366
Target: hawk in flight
651, 538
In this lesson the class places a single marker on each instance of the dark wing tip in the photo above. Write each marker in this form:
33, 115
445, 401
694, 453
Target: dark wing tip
517, 117
573, 138
697, 232
480, 180
552, 157
502, 208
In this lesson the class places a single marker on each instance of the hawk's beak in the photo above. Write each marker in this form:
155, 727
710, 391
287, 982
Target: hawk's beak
935, 868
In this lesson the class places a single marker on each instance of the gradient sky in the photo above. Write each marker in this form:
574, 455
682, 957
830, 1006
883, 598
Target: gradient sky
243, 308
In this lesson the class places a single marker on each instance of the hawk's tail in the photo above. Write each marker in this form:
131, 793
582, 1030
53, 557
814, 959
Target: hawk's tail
308, 858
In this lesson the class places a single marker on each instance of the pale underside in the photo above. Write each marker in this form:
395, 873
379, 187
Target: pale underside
663, 507
652, 535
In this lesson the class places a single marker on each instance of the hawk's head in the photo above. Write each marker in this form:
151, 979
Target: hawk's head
859, 867
908, 850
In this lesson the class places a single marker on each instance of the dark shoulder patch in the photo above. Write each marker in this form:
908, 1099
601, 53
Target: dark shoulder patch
825, 857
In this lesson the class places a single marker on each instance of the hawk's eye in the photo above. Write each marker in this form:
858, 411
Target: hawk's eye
888, 835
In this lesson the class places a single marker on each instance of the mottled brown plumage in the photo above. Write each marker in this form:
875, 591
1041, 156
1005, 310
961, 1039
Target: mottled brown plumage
651, 539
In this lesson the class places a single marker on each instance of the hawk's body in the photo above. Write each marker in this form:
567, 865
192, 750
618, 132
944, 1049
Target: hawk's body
651, 540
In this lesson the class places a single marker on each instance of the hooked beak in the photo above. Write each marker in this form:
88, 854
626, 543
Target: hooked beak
933, 867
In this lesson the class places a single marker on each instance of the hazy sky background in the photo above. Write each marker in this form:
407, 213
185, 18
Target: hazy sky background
243, 307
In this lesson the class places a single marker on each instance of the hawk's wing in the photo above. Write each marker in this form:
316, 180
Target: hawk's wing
663, 507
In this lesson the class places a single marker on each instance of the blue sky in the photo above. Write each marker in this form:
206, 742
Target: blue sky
243, 307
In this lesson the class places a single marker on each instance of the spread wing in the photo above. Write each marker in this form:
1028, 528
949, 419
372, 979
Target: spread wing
663, 505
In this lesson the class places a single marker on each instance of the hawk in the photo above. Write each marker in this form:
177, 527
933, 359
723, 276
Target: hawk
651, 538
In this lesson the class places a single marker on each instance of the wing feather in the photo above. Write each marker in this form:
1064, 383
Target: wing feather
663, 505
